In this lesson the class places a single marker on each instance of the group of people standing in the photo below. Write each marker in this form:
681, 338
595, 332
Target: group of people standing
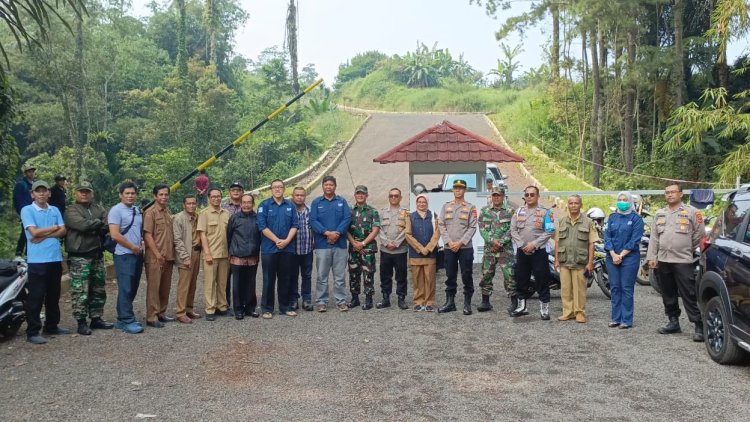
231, 239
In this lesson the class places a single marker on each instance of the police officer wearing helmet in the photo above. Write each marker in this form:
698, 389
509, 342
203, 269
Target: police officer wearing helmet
458, 223
676, 231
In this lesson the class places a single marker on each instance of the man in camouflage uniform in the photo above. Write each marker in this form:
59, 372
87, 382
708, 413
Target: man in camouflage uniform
86, 223
362, 233
494, 226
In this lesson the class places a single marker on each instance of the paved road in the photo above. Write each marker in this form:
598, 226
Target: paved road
379, 364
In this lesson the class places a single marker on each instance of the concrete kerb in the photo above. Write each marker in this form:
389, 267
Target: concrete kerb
296, 177
310, 186
355, 110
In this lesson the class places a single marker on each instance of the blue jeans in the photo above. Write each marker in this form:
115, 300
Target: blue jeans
302, 268
621, 285
128, 269
326, 260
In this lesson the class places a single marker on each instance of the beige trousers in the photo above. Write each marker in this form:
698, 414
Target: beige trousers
215, 285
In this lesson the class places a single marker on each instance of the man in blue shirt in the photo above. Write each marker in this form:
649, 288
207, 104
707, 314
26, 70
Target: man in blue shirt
278, 223
330, 217
125, 227
21, 198
43, 226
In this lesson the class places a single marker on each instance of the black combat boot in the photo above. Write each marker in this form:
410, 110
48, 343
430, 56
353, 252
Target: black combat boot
485, 305
673, 326
100, 324
698, 333
368, 303
83, 328
355, 302
450, 304
513, 304
402, 303
385, 303
467, 304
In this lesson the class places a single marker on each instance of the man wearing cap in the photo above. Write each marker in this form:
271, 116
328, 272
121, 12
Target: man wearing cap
43, 225
330, 216
58, 194
494, 226
21, 198
458, 223
531, 228
159, 237
86, 223
233, 205
393, 250
362, 233
212, 227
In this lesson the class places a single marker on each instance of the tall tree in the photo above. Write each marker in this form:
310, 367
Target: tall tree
680, 90
81, 112
183, 96
291, 41
211, 21
597, 111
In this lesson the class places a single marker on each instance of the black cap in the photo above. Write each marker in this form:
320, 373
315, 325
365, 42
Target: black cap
236, 185
60, 177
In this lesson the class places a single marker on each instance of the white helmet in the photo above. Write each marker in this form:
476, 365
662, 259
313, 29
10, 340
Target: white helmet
595, 213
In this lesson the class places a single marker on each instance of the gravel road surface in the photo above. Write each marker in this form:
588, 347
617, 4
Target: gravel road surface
379, 364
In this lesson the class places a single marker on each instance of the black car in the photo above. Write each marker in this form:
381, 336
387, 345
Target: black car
724, 288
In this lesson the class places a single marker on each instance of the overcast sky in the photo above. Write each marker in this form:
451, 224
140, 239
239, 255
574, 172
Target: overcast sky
333, 31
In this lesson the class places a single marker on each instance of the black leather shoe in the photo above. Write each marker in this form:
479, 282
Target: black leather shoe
83, 328
449, 305
239, 315
307, 306
698, 333
355, 302
165, 318
513, 304
100, 324
255, 314
672, 327
368, 303
402, 303
155, 324
467, 305
210, 317
385, 303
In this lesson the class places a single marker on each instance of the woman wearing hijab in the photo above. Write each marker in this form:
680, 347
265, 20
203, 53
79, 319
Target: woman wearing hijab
422, 235
621, 241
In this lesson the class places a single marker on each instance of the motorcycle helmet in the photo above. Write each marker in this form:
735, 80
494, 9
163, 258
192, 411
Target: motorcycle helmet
596, 214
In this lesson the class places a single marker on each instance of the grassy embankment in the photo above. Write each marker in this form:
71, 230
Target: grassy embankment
520, 115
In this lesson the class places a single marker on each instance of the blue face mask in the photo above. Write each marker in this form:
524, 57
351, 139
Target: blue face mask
623, 205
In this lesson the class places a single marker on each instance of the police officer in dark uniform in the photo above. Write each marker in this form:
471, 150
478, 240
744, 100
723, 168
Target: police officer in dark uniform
458, 223
676, 231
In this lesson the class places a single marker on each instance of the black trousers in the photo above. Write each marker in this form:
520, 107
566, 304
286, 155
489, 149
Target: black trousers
388, 263
537, 264
21, 244
44, 289
678, 280
243, 289
277, 276
465, 259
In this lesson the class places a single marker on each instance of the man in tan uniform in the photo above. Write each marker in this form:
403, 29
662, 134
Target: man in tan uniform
676, 231
212, 227
531, 228
187, 245
574, 256
393, 250
159, 238
458, 223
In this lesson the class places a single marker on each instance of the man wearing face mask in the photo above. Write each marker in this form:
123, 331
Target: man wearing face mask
531, 227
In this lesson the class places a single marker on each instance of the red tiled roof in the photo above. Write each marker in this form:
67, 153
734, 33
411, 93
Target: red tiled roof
447, 142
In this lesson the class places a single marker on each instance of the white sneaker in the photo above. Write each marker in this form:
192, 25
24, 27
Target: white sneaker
521, 308
544, 310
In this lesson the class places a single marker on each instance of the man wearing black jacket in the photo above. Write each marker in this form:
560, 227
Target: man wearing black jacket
243, 238
86, 224
58, 194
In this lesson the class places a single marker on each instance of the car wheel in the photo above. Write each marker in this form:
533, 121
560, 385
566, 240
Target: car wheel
719, 344
643, 274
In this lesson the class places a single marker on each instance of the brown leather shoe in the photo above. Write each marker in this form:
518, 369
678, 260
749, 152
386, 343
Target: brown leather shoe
193, 315
580, 318
184, 319
566, 317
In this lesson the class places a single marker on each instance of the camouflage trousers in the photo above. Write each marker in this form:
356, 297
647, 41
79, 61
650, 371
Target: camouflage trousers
87, 291
361, 265
490, 262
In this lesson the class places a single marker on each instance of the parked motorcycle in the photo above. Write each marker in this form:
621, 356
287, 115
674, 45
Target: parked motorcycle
644, 274
599, 275
13, 277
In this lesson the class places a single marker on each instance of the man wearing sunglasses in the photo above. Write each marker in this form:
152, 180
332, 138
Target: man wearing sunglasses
531, 228
458, 223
